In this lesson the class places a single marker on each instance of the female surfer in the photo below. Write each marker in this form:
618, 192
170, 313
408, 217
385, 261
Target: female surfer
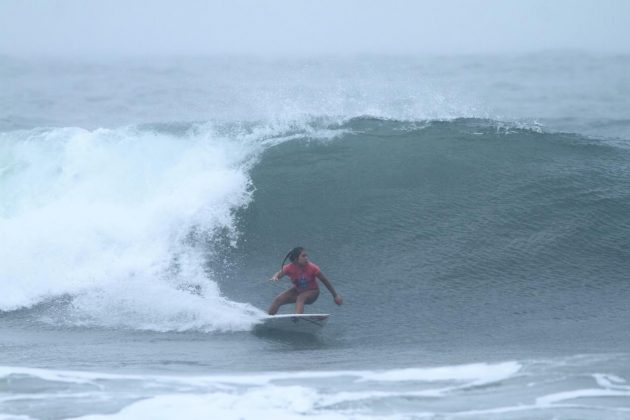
303, 274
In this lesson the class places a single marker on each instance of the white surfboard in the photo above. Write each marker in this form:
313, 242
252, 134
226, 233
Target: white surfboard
294, 323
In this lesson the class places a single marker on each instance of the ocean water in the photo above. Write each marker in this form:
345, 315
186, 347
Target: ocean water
473, 211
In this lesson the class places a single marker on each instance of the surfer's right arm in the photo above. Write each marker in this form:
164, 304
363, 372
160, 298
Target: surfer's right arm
277, 276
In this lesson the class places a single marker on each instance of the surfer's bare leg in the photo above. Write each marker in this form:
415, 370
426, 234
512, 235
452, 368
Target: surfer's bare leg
288, 296
307, 298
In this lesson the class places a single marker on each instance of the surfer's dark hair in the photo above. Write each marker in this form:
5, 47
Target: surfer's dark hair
293, 255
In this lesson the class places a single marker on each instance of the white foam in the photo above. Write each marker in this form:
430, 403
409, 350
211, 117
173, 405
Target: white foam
334, 394
461, 373
579, 393
478, 373
393, 393
112, 217
288, 402
275, 394
263, 398
611, 381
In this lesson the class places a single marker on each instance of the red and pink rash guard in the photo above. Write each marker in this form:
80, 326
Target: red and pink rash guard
303, 277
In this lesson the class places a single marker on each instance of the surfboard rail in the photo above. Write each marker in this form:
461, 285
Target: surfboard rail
300, 323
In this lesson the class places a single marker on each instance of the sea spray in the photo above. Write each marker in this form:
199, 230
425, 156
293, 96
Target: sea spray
107, 216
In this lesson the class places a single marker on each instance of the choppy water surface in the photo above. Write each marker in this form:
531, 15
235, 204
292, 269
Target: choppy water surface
472, 211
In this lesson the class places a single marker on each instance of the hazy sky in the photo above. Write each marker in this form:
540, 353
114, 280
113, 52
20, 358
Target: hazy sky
123, 27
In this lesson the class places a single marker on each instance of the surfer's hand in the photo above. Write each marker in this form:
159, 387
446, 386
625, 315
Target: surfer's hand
274, 278
338, 299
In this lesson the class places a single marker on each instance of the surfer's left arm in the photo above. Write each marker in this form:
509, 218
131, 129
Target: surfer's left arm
329, 286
